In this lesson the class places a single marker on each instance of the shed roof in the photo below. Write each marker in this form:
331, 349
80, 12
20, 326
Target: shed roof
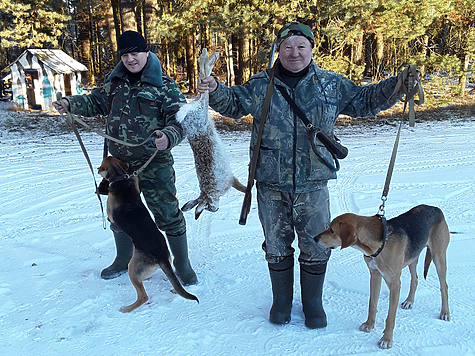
55, 59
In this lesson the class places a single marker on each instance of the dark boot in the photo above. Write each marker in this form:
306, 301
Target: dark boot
179, 247
282, 280
311, 287
125, 248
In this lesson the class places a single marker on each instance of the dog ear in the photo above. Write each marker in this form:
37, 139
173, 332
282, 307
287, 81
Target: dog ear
103, 187
347, 234
124, 165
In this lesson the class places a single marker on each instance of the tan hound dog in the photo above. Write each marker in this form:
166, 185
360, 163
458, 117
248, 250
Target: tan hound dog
388, 252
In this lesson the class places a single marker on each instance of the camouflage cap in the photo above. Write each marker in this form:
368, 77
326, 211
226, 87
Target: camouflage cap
294, 29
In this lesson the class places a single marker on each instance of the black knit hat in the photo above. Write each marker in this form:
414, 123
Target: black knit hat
131, 41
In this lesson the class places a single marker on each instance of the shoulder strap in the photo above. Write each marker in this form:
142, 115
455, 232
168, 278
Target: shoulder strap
313, 132
294, 107
246, 204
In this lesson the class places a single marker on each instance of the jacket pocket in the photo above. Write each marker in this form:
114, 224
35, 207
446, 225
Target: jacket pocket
316, 168
148, 108
268, 167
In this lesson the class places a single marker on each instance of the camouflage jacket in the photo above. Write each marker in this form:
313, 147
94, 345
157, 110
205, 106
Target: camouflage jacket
135, 111
286, 161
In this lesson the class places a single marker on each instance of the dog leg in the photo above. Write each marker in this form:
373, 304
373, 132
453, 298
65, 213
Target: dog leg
438, 243
374, 290
440, 262
394, 284
139, 270
409, 302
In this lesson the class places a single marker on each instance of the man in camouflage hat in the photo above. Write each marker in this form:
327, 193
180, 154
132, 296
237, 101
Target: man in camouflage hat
139, 100
292, 193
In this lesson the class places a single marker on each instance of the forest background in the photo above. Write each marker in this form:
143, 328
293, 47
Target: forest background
364, 40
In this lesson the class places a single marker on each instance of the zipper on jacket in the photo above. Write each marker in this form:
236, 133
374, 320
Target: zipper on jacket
294, 146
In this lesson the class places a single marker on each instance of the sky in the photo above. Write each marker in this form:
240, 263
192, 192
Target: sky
53, 247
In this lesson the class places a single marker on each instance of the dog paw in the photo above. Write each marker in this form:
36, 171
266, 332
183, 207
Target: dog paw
366, 327
385, 343
407, 304
124, 309
444, 316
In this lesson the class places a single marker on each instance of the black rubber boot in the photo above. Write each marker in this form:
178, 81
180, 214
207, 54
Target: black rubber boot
311, 287
125, 248
282, 280
179, 247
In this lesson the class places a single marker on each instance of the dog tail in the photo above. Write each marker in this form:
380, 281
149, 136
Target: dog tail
427, 262
238, 186
168, 270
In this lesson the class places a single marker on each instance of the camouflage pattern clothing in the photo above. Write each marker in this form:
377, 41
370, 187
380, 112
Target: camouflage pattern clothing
283, 214
286, 162
134, 111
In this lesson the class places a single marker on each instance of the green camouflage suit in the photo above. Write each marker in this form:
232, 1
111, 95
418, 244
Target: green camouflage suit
291, 179
134, 112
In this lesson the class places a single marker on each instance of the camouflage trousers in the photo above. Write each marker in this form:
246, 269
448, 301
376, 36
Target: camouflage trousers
283, 215
157, 183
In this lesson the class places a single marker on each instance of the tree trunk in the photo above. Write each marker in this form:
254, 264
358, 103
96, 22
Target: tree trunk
464, 61
358, 51
230, 78
147, 19
127, 15
190, 62
425, 52
368, 71
84, 41
138, 10
244, 58
234, 58
378, 54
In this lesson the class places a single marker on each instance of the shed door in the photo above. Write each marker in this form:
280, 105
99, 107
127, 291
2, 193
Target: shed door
67, 84
31, 76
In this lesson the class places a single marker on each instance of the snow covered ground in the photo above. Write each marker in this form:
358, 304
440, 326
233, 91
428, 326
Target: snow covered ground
53, 247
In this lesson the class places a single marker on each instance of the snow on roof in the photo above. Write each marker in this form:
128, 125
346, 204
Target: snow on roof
55, 59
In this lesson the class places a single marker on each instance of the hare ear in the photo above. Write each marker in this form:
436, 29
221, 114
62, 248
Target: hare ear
347, 234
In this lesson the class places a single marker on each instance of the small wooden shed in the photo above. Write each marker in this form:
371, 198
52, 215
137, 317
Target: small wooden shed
38, 74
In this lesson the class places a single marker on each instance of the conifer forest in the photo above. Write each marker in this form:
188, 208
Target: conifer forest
358, 38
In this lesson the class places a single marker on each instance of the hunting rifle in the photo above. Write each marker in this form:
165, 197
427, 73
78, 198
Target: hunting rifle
246, 204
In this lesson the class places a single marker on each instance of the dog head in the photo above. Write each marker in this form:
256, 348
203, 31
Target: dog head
112, 169
342, 232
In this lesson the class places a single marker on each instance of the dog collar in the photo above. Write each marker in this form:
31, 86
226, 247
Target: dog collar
385, 236
120, 178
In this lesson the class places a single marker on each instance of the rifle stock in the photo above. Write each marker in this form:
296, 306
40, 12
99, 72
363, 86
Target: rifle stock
246, 206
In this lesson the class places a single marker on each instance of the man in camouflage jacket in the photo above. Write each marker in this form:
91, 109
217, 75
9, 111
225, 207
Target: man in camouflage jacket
139, 100
292, 191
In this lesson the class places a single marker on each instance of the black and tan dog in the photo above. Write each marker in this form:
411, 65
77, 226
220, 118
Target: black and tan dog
388, 249
126, 209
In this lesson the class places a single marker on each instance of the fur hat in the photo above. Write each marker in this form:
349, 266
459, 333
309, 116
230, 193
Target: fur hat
131, 41
294, 29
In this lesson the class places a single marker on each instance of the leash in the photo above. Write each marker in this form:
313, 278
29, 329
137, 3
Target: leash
71, 118
409, 73
70, 121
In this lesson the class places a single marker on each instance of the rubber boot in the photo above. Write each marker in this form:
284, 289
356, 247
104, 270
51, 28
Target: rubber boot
282, 280
311, 288
179, 247
125, 248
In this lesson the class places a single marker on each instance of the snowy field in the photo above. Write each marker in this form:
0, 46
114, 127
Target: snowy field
53, 247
